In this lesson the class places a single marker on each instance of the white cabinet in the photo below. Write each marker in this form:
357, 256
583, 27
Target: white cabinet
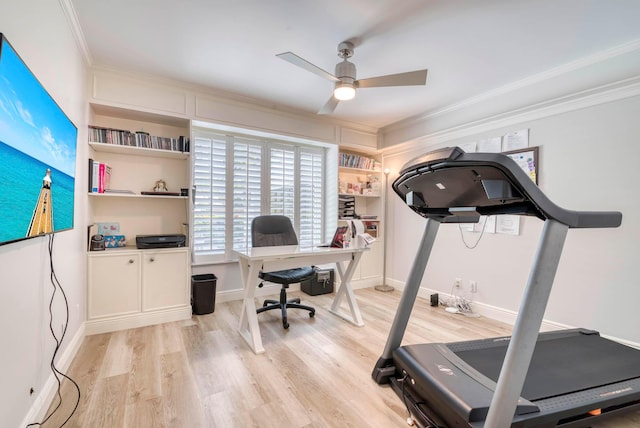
164, 279
132, 288
114, 279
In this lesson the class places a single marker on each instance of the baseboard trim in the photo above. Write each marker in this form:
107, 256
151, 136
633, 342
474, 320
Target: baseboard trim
137, 320
506, 316
41, 404
271, 289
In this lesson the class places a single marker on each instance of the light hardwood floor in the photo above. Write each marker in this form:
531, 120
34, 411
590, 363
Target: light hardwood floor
200, 373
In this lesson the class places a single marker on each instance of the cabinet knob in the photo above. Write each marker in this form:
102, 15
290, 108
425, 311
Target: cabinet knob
130, 261
152, 259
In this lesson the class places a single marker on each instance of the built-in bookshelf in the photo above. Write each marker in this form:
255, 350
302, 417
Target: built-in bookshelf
358, 175
140, 150
142, 191
360, 196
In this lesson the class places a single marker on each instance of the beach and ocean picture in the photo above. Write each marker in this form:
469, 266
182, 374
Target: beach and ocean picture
37, 155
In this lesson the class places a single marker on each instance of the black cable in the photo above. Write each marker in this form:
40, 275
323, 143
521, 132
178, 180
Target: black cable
404, 395
416, 406
56, 372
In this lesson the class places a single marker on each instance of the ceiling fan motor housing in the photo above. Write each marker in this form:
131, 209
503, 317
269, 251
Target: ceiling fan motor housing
346, 72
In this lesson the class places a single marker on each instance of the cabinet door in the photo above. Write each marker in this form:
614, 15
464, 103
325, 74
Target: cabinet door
165, 279
113, 284
371, 261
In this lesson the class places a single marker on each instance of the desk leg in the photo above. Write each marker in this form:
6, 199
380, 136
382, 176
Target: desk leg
249, 328
345, 288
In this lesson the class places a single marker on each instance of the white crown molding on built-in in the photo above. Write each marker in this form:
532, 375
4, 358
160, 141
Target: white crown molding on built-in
583, 99
76, 30
223, 97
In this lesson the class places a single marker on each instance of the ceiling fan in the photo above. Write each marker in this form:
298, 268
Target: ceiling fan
345, 76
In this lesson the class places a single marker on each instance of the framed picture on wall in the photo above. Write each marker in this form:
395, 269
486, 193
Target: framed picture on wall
527, 159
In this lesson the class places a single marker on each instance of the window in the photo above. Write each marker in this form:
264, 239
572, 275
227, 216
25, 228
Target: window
237, 178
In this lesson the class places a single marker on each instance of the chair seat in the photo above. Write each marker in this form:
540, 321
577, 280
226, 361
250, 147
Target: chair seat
289, 276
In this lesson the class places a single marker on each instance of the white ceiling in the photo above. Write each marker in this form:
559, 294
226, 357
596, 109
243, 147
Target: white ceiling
470, 47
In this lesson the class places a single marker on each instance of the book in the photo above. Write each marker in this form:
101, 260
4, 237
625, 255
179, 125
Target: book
338, 240
90, 176
99, 177
95, 176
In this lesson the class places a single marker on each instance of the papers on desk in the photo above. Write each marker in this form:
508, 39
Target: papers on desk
359, 238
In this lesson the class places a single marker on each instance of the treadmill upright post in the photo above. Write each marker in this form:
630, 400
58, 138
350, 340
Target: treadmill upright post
405, 306
527, 326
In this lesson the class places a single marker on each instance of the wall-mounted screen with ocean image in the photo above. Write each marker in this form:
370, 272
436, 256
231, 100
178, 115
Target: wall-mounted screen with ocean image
37, 155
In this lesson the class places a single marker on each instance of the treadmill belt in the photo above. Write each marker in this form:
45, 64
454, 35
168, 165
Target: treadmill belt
563, 365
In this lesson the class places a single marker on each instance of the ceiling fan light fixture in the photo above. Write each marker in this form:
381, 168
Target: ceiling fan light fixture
344, 91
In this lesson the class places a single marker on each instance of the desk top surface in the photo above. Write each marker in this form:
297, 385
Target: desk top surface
284, 251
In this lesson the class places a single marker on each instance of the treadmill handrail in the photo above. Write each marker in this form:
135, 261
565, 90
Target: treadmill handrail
531, 201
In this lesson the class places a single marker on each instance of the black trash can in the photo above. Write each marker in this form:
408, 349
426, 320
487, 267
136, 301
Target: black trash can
203, 293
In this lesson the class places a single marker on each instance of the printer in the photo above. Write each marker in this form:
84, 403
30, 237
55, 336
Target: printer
160, 241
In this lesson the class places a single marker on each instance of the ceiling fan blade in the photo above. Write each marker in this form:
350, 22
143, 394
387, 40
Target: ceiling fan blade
303, 63
330, 106
418, 77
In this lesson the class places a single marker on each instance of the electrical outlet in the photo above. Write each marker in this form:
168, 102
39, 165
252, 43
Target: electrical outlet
457, 282
473, 286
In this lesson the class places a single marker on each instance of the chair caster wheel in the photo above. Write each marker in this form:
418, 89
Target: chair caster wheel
285, 325
312, 314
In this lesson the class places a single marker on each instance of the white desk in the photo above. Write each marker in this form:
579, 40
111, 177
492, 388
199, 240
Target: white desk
269, 259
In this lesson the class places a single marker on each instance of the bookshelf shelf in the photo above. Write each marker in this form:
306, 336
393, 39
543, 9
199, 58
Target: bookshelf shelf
137, 151
350, 170
359, 195
134, 195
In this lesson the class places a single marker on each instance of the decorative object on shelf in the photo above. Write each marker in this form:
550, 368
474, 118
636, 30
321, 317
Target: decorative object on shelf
346, 207
160, 186
115, 241
160, 189
384, 286
111, 228
97, 243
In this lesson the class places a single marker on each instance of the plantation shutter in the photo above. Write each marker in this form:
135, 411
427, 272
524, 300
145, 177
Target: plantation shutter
247, 193
311, 196
209, 179
282, 182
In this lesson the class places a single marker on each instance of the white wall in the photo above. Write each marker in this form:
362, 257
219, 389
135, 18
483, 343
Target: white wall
588, 161
40, 33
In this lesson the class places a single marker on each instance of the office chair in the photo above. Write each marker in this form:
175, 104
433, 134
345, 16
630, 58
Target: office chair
275, 230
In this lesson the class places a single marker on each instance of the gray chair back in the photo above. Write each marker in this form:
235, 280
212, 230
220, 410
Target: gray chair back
272, 230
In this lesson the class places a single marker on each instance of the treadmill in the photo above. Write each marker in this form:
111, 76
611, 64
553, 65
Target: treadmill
568, 378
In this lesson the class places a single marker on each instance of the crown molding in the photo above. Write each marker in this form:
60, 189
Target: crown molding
583, 99
595, 71
76, 30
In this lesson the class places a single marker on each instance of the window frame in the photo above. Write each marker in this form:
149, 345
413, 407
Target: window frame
267, 144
